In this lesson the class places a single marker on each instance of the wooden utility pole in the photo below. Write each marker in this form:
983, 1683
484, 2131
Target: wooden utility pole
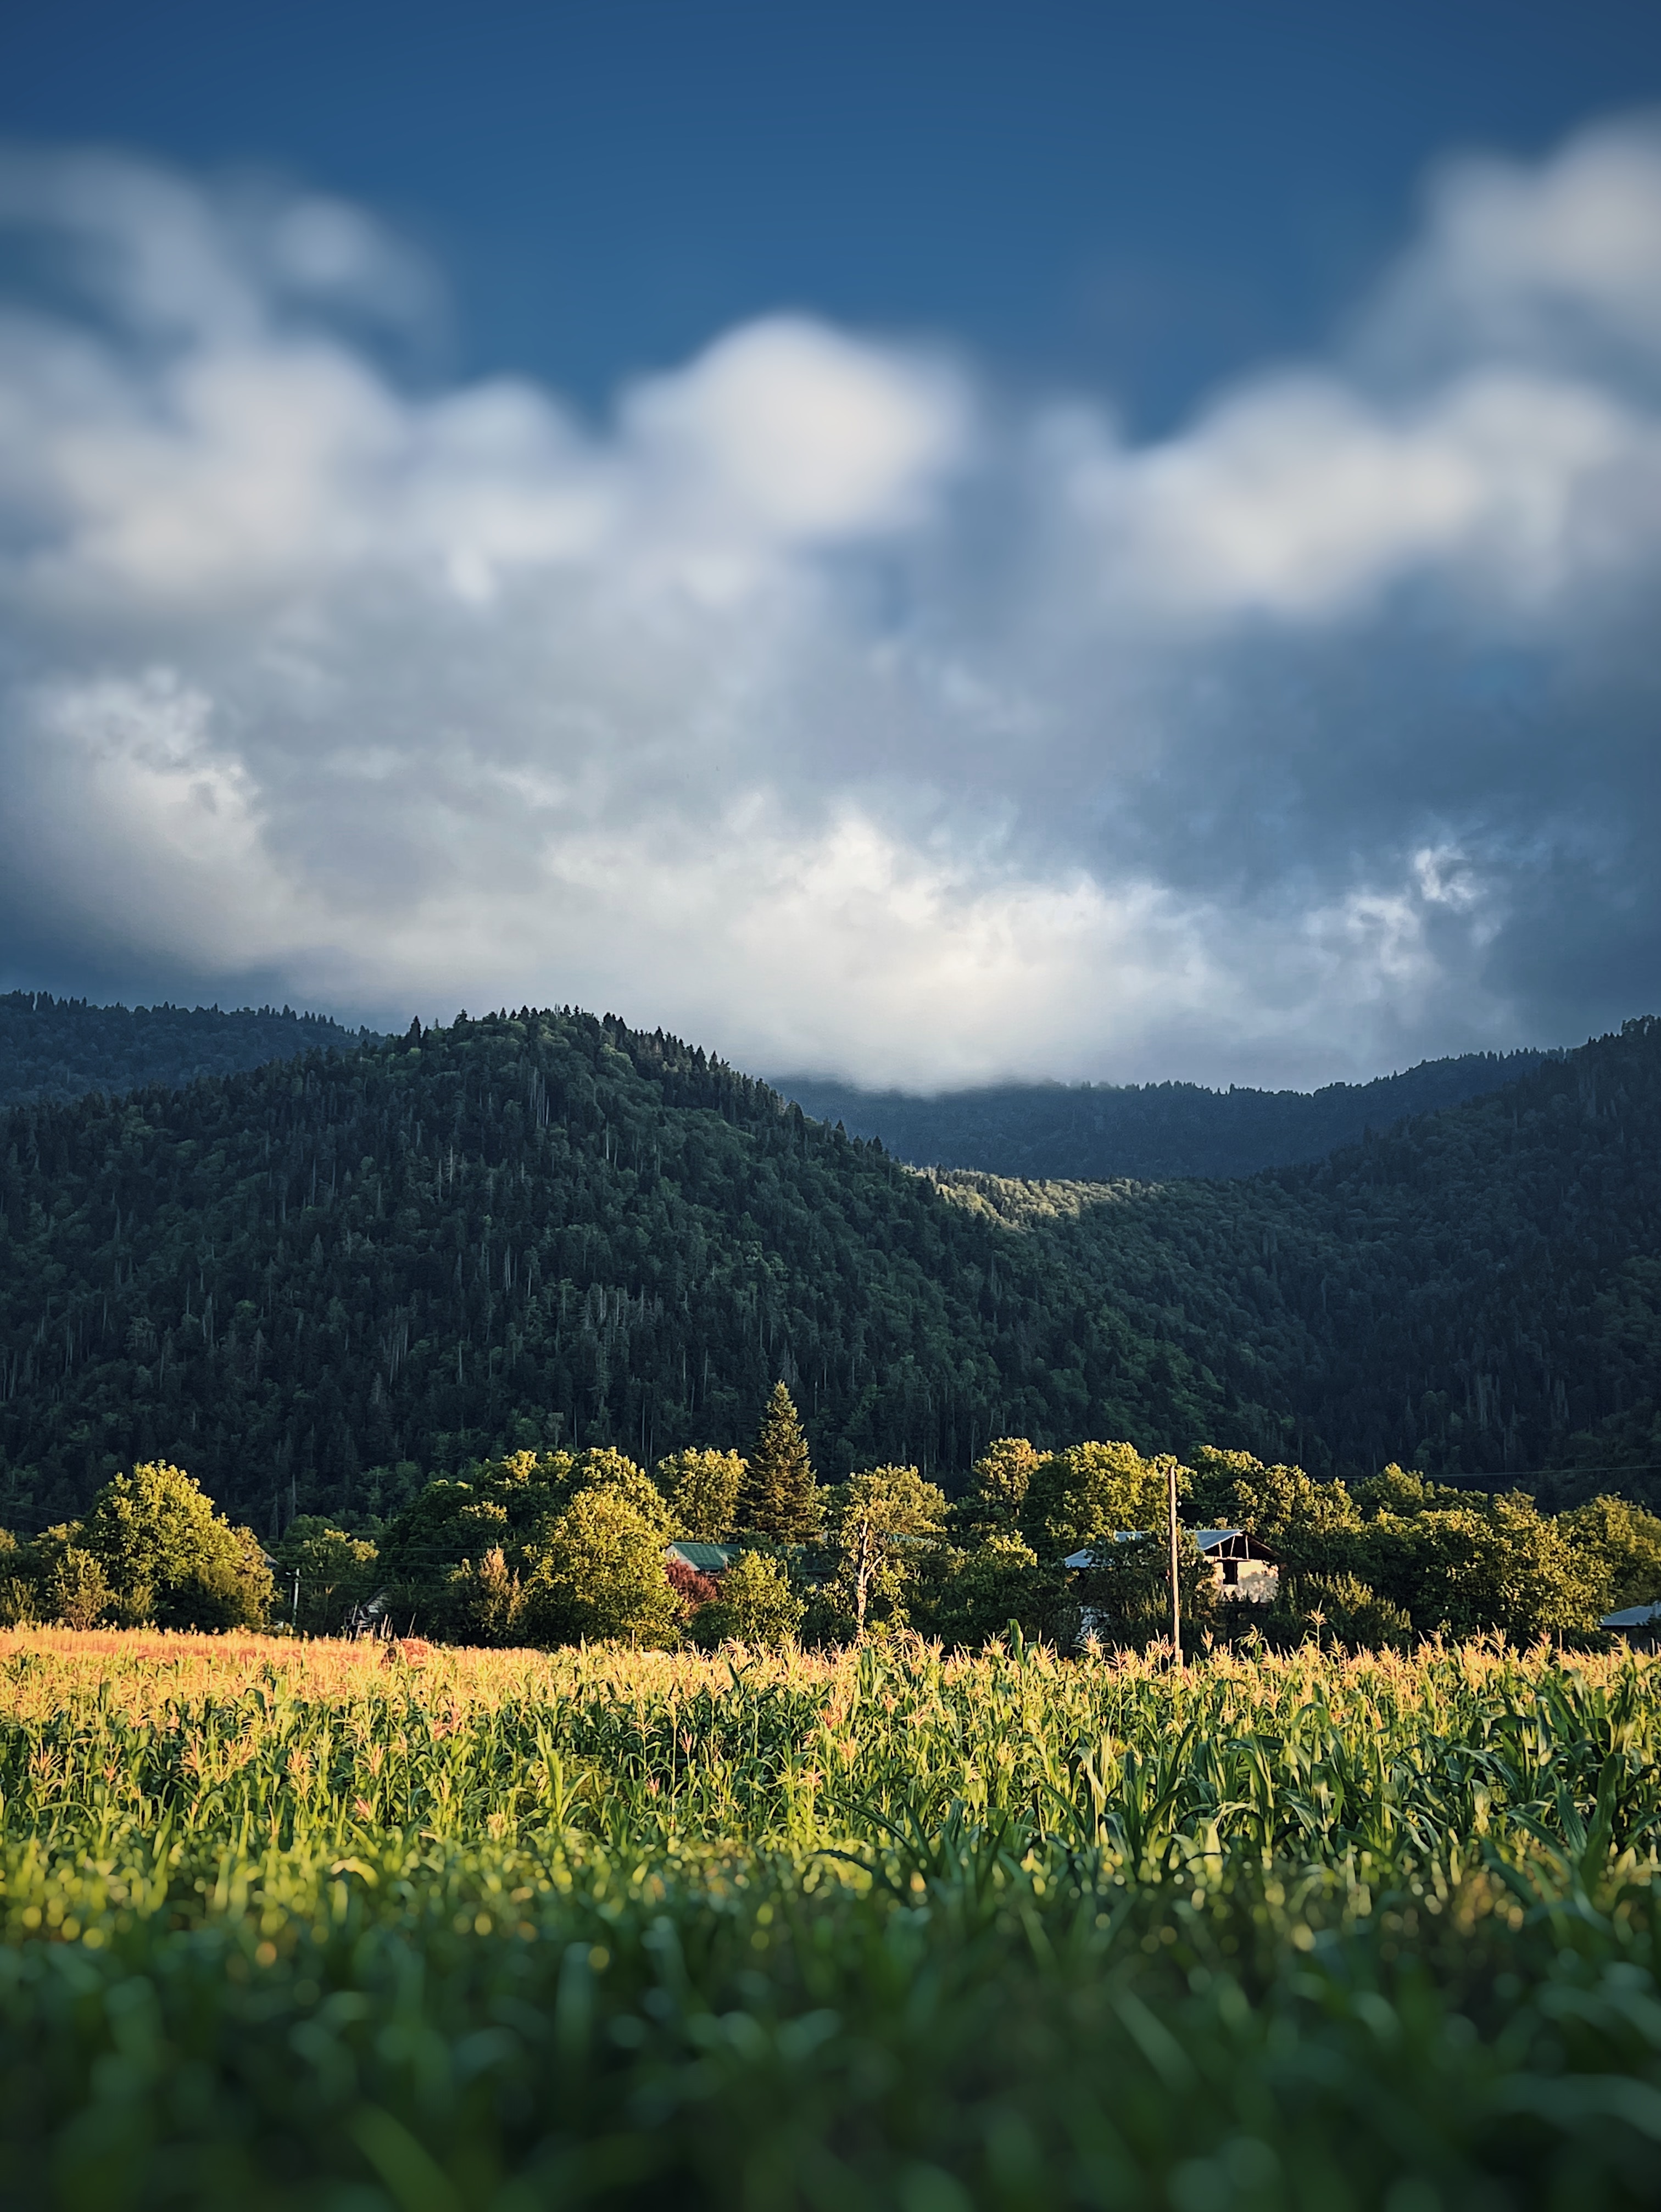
1176, 1590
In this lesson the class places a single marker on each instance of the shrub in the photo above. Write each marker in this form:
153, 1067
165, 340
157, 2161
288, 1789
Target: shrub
600, 1576
755, 1606
77, 1592
972, 1596
485, 1602
169, 1558
1341, 1609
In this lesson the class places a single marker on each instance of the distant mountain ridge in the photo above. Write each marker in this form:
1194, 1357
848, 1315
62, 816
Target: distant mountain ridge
59, 1049
316, 1283
1146, 1133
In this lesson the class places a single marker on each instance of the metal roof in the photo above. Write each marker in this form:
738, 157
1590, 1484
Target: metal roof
1206, 1539
1635, 1616
707, 1558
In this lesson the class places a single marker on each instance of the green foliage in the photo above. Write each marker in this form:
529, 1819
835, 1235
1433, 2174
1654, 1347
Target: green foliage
1400, 1554
702, 1490
779, 1497
1012, 1933
605, 1468
1304, 1522
756, 1607
76, 1591
597, 1574
482, 1603
318, 1282
335, 1571
1124, 1597
321, 1283
1151, 1132
61, 1048
1341, 1610
1499, 1563
881, 1524
967, 1598
998, 1485
1473, 1291
168, 1558
1088, 1490
1620, 1546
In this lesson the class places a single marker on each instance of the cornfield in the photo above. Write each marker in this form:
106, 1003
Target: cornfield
318, 1925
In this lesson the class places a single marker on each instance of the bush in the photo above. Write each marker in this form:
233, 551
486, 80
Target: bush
485, 1602
755, 1606
77, 1592
600, 1576
972, 1596
168, 1558
1341, 1609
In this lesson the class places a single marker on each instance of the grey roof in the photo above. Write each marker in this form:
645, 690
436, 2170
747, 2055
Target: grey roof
1206, 1539
1635, 1616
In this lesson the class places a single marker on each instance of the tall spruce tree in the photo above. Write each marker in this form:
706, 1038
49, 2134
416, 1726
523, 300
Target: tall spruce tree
780, 1497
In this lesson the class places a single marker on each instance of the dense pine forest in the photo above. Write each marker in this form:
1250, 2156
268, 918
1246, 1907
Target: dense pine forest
317, 1283
1476, 1292
61, 1048
1150, 1133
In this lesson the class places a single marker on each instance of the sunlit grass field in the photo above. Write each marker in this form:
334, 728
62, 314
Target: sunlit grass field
312, 1924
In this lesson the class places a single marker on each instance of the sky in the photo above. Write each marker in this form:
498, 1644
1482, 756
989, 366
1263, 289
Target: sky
928, 544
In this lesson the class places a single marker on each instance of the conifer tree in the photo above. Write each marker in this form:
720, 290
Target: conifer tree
780, 1497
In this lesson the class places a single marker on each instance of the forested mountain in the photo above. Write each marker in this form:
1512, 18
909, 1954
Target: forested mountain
1103, 1132
316, 1283
61, 1048
1474, 1292
521, 1231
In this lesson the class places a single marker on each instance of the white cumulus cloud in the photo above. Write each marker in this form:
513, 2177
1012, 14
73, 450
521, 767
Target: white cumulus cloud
823, 702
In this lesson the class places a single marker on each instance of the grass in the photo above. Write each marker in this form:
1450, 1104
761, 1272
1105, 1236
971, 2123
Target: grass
295, 1925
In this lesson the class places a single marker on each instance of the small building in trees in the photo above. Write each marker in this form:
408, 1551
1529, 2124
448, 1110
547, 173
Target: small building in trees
1639, 1624
1244, 1570
703, 1558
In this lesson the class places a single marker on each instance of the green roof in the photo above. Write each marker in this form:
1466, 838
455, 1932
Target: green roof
707, 1558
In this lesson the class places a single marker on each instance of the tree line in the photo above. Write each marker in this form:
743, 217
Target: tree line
713, 1547
1145, 1132
61, 1048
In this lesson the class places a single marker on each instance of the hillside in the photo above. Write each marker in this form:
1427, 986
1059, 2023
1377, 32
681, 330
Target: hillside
61, 1048
1474, 1292
328, 1278
526, 1230
1151, 1132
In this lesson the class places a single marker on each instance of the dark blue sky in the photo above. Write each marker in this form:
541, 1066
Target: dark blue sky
1143, 199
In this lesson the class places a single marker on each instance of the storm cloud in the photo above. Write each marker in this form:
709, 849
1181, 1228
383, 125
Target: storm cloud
829, 702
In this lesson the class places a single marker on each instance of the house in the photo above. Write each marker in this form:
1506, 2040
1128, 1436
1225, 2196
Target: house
1246, 1571
1639, 1624
703, 1558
